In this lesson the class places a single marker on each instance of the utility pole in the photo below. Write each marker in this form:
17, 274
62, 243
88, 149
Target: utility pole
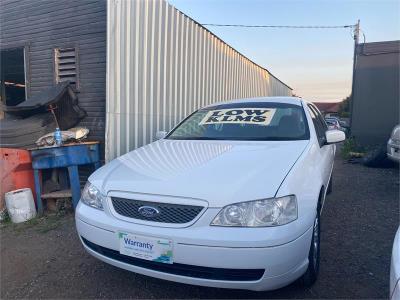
356, 40
357, 32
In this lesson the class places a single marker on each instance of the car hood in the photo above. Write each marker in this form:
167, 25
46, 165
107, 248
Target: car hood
220, 172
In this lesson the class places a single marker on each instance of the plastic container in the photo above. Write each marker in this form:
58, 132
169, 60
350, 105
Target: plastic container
16, 172
20, 205
58, 137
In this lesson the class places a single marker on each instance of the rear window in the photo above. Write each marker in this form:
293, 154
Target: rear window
244, 121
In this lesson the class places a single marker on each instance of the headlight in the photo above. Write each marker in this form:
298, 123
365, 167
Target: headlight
259, 213
91, 196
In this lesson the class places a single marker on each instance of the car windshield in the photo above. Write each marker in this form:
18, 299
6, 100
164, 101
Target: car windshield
254, 121
332, 121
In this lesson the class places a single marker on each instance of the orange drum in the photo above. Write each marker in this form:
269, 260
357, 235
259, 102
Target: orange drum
16, 172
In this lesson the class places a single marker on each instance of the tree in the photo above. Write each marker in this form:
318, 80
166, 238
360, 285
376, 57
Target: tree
344, 108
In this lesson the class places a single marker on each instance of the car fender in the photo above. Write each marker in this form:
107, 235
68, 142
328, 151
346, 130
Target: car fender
305, 181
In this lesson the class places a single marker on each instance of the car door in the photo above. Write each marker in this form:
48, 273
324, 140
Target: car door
326, 152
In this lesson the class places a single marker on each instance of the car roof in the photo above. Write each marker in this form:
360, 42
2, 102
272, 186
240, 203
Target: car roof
288, 100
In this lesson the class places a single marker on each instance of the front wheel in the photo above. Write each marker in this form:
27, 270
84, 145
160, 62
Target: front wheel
311, 275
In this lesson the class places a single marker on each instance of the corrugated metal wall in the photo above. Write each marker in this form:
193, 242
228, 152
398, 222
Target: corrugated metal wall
161, 66
376, 101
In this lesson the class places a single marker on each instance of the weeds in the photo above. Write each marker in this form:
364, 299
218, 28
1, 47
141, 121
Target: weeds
6, 218
42, 225
350, 147
51, 223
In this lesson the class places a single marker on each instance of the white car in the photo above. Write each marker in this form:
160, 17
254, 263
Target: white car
395, 269
230, 198
393, 145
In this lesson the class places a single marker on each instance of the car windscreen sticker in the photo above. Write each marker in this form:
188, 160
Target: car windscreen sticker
260, 116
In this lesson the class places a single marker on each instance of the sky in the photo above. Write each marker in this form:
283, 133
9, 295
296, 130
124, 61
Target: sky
316, 63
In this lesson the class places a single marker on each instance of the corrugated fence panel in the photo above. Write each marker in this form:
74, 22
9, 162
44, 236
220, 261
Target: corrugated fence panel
162, 65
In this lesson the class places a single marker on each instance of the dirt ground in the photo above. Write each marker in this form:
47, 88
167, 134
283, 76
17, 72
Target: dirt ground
44, 258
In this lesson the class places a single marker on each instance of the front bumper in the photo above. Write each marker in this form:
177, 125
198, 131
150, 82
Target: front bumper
282, 264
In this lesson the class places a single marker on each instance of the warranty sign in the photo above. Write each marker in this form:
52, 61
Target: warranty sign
260, 116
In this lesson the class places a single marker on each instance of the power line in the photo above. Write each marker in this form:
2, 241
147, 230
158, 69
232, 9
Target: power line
280, 26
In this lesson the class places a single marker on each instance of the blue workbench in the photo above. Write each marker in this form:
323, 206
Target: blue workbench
69, 156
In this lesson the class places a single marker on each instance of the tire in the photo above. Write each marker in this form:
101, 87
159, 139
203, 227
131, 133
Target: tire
311, 275
330, 184
377, 158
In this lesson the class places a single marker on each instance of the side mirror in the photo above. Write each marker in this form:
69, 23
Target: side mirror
334, 136
161, 134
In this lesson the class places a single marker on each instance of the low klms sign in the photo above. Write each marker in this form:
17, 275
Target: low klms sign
238, 115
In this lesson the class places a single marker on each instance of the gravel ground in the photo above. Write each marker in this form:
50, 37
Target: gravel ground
44, 259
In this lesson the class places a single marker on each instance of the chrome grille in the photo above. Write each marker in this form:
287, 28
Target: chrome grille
168, 213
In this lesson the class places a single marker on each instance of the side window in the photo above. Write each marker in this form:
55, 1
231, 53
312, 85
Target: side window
319, 124
321, 118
